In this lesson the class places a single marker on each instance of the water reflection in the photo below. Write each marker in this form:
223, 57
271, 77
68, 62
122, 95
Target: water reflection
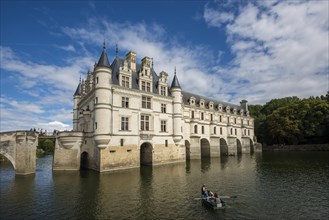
291, 183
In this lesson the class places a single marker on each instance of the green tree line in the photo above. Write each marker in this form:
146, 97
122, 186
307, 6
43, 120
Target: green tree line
292, 120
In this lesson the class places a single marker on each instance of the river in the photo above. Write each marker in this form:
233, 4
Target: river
268, 185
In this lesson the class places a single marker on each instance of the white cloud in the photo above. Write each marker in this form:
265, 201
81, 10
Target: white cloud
281, 48
151, 40
69, 48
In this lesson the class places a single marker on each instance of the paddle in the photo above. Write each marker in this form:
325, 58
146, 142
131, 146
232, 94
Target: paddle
222, 197
228, 197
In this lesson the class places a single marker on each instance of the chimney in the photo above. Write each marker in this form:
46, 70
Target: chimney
131, 59
244, 105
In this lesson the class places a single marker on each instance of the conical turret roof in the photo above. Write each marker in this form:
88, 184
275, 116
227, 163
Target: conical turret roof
103, 60
78, 91
175, 82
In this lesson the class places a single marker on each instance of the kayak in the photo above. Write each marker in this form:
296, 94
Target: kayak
214, 203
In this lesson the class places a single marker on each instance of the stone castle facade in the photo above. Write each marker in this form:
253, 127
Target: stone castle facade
126, 115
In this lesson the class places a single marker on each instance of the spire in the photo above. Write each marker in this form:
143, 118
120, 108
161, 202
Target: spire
152, 63
116, 50
78, 91
103, 60
175, 83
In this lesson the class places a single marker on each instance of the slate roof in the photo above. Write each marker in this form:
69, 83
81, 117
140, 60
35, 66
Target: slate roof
188, 95
118, 62
103, 60
115, 67
78, 90
175, 83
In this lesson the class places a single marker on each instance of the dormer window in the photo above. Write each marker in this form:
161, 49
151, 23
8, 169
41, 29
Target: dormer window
227, 109
125, 82
146, 86
241, 112
192, 101
211, 105
234, 111
220, 107
201, 103
163, 90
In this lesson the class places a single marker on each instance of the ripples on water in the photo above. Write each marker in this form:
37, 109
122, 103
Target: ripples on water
276, 185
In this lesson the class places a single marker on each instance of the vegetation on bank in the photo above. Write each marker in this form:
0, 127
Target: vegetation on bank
292, 120
45, 146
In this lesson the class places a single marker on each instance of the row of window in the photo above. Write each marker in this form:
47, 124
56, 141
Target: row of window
212, 118
145, 86
145, 124
146, 103
220, 130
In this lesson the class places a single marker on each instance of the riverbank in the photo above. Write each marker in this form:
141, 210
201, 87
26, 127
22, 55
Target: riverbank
304, 147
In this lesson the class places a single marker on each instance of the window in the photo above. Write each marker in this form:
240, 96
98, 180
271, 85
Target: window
163, 90
166, 143
245, 133
192, 114
145, 122
235, 132
96, 100
248, 122
143, 86
95, 125
228, 119
148, 87
214, 130
220, 131
146, 102
220, 118
125, 81
202, 116
96, 80
202, 129
163, 108
163, 126
125, 102
124, 123
211, 117
121, 142
231, 131
241, 121
195, 129
248, 132
234, 120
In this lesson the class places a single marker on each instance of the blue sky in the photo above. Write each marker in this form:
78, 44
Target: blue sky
227, 50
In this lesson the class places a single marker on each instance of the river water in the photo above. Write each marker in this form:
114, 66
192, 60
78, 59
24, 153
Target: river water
268, 185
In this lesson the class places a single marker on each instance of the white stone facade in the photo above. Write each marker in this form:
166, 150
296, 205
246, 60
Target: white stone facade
129, 116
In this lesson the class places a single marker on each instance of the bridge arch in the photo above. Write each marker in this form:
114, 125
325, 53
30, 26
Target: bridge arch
223, 147
187, 150
146, 154
238, 146
84, 160
12, 161
205, 148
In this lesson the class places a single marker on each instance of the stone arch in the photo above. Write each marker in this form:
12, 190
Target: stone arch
84, 160
252, 150
187, 150
238, 146
146, 154
205, 148
12, 161
223, 147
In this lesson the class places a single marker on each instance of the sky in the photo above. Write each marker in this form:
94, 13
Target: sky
227, 50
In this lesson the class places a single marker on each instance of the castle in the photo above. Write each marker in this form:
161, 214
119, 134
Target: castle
126, 115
